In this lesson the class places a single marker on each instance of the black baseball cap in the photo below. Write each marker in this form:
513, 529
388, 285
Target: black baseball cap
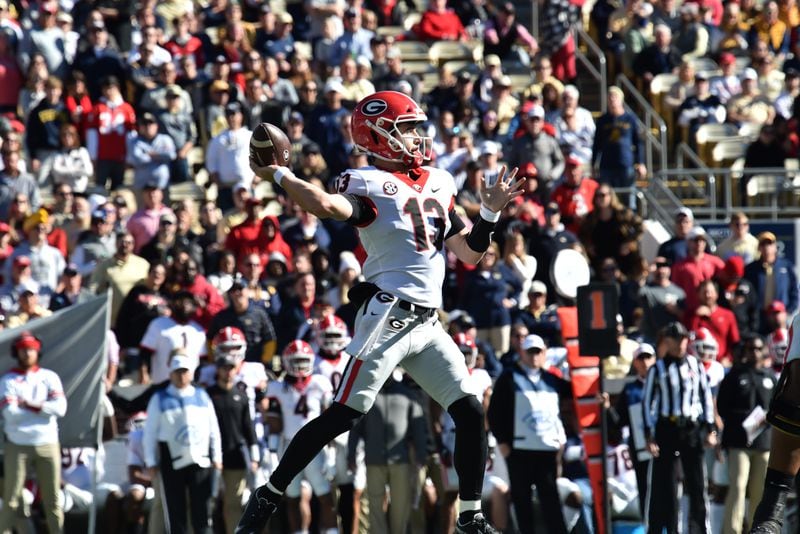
674, 330
311, 148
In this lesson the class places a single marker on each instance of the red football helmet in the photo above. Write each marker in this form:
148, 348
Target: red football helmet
778, 345
298, 359
466, 344
332, 335
375, 120
704, 345
229, 346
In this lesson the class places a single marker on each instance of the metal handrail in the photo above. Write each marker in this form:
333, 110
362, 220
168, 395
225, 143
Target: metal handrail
685, 151
651, 117
774, 209
601, 74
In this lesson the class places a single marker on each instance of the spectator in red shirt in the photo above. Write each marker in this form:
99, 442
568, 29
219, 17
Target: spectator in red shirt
575, 195
439, 24
183, 43
77, 101
10, 74
271, 240
531, 208
696, 268
243, 238
720, 321
185, 277
109, 124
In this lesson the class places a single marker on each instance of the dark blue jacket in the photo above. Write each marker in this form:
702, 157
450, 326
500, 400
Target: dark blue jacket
483, 296
617, 144
785, 282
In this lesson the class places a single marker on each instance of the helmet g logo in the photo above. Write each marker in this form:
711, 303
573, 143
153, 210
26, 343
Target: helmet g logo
374, 107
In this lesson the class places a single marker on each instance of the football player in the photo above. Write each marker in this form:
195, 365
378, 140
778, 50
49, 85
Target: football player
300, 396
405, 215
332, 337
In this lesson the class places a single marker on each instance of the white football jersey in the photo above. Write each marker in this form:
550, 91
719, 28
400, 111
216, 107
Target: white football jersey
77, 464
405, 242
164, 335
479, 381
793, 352
622, 477
715, 372
300, 403
333, 370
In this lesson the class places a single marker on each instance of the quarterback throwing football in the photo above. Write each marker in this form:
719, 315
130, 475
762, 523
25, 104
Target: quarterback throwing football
404, 213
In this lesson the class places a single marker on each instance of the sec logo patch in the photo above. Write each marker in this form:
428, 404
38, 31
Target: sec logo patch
390, 188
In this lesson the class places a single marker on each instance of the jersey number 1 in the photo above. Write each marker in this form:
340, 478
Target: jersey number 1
437, 220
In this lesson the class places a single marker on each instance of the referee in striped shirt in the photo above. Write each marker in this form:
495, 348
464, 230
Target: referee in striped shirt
678, 423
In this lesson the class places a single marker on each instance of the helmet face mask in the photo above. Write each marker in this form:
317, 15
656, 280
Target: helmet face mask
375, 123
332, 336
704, 345
298, 359
229, 346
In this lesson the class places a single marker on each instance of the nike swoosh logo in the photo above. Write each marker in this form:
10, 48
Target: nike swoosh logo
435, 190
373, 313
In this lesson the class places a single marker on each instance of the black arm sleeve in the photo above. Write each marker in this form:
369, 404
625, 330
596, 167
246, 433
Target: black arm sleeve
480, 236
364, 210
456, 225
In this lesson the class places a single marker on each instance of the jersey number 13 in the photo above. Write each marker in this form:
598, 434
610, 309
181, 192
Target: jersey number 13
424, 238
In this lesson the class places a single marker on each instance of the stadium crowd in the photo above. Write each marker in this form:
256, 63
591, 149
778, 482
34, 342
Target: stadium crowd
236, 298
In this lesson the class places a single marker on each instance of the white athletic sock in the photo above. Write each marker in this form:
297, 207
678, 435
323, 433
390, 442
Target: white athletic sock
469, 506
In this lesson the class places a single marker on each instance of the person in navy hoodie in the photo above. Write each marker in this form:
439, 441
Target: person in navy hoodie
773, 277
491, 296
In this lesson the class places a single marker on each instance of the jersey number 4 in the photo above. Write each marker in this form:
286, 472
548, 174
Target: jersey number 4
301, 408
423, 239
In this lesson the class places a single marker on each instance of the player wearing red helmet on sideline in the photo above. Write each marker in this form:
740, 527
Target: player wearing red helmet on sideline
229, 346
777, 345
706, 348
405, 215
332, 337
299, 396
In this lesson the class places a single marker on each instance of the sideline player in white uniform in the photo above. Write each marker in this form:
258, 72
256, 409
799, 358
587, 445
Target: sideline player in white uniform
332, 337
230, 344
404, 212
297, 398
481, 384
76, 476
706, 349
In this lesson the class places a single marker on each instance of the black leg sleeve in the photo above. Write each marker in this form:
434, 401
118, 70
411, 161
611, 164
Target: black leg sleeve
310, 439
469, 457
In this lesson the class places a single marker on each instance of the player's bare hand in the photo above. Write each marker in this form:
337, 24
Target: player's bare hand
503, 191
266, 172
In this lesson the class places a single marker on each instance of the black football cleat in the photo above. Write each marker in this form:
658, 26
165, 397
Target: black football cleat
257, 512
478, 525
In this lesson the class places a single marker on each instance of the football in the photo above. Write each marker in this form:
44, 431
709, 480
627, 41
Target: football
270, 146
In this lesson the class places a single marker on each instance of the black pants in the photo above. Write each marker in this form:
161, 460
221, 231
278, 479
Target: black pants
200, 484
684, 443
642, 469
526, 468
106, 170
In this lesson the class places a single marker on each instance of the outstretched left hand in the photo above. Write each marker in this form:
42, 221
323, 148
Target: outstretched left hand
504, 190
